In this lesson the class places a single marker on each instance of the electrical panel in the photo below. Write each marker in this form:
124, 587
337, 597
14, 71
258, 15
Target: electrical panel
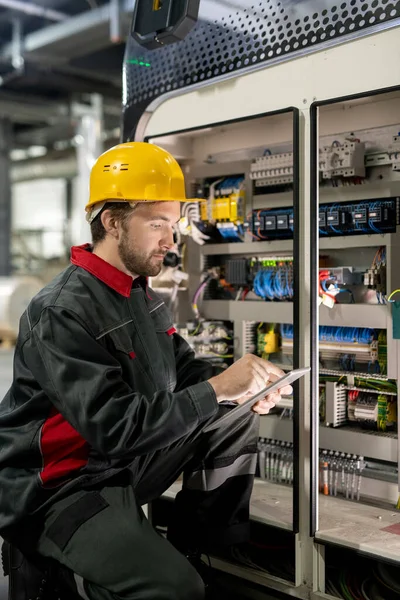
248, 281
347, 218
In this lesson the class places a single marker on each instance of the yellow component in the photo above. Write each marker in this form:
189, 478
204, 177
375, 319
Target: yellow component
392, 411
226, 208
271, 341
136, 172
203, 210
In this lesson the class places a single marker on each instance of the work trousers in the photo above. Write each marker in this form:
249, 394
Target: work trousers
109, 549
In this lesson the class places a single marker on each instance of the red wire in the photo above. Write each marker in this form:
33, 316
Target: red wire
324, 276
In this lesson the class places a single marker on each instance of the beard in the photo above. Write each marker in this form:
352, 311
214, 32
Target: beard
137, 261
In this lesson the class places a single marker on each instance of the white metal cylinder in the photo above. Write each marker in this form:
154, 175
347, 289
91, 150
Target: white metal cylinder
15, 295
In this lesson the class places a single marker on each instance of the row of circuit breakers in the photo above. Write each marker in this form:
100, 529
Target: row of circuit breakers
350, 218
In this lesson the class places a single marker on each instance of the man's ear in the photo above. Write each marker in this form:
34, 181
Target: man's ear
111, 225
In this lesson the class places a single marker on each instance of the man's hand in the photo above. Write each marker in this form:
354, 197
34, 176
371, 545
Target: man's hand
246, 377
262, 407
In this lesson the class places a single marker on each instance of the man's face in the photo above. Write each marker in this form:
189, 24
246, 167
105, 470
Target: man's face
147, 237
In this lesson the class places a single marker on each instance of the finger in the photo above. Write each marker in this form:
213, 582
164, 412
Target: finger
244, 398
268, 376
258, 382
269, 367
286, 391
275, 397
263, 407
265, 404
265, 376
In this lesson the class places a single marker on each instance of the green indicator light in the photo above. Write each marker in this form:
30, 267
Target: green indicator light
138, 61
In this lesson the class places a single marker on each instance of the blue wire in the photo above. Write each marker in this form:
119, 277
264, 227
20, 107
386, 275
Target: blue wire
334, 206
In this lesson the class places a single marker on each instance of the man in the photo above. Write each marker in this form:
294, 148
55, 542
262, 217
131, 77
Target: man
108, 404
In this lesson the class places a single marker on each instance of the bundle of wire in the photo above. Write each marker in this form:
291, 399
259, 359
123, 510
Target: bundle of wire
382, 351
376, 384
329, 287
197, 295
228, 186
379, 263
230, 232
375, 206
274, 283
347, 335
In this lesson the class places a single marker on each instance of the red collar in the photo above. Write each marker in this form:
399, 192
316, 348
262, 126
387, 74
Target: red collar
82, 256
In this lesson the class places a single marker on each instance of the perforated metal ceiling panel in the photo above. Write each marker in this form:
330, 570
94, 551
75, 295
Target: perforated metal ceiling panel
235, 35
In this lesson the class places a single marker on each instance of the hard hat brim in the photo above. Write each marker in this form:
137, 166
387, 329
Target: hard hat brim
92, 210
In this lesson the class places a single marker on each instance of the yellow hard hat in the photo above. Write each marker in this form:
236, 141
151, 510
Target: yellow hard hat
135, 172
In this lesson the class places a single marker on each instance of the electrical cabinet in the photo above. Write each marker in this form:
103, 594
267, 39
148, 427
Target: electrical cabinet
251, 272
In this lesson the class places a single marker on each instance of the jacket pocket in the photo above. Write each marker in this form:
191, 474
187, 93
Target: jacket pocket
129, 354
121, 340
161, 319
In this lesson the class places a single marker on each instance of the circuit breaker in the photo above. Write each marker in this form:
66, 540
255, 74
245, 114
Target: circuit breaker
272, 169
342, 160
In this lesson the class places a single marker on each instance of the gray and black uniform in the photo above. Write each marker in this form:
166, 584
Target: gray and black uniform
106, 409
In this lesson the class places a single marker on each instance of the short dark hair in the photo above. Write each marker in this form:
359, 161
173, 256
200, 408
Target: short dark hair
120, 211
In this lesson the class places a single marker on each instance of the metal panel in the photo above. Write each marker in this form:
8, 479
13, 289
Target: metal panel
277, 247
323, 75
342, 315
355, 315
316, 317
300, 303
230, 38
270, 312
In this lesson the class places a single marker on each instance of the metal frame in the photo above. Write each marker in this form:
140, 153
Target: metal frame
298, 241
301, 83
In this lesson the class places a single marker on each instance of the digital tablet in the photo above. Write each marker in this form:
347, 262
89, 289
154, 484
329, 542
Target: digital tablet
246, 406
